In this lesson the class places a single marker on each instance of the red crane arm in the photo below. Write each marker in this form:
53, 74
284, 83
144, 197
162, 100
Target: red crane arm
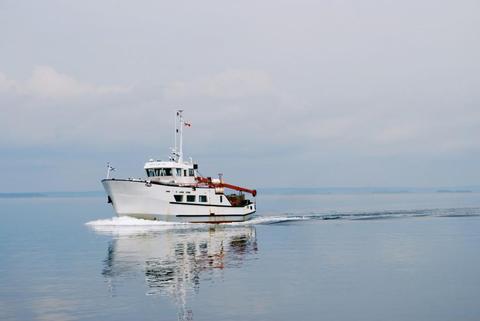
208, 180
238, 188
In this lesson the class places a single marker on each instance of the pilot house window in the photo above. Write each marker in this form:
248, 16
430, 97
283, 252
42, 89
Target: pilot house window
152, 172
191, 172
190, 198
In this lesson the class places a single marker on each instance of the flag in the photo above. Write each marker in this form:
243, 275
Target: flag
187, 124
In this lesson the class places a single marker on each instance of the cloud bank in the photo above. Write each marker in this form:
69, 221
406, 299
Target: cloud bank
46, 82
308, 94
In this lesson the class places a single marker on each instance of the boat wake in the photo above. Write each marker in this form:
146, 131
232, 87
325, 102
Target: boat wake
136, 223
126, 225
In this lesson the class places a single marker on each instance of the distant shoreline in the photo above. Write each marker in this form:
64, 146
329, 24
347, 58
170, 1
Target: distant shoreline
51, 194
267, 191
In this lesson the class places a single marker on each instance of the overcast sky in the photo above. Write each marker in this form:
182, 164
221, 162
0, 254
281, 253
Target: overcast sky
279, 93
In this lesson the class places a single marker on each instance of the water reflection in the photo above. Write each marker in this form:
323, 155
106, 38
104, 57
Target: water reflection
174, 262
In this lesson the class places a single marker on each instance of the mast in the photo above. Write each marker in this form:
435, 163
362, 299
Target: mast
180, 133
176, 133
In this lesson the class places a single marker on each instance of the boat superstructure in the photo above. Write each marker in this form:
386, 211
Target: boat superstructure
173, 190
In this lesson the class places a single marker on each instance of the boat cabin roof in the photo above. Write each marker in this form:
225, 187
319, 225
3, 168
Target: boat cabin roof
167, 164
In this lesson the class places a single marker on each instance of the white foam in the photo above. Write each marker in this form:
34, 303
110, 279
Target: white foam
122, 226
130, 221
127, 225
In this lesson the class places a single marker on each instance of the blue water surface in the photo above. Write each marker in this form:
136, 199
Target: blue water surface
350, 256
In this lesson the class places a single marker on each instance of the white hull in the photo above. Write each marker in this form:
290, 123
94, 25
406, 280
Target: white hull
142, 199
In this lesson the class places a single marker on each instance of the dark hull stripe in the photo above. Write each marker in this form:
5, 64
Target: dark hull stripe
212, 205
214, 222
219, 215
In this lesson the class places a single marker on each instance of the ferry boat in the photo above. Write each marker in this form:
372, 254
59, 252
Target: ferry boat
173, 190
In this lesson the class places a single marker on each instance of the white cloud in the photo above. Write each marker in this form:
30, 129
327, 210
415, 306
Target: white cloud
232, 83
54, 108
46, 82
397, 134
50, 107
6, 85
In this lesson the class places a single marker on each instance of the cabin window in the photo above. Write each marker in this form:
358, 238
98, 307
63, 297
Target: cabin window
221, 199
165, 172
150, 172
191, 172
159, 172
178, 198
179, 172
202, 198
190, 198
184, 172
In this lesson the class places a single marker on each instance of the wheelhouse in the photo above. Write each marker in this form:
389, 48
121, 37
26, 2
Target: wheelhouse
176, 172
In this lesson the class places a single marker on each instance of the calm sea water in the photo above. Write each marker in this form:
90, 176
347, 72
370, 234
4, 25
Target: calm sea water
410, 256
